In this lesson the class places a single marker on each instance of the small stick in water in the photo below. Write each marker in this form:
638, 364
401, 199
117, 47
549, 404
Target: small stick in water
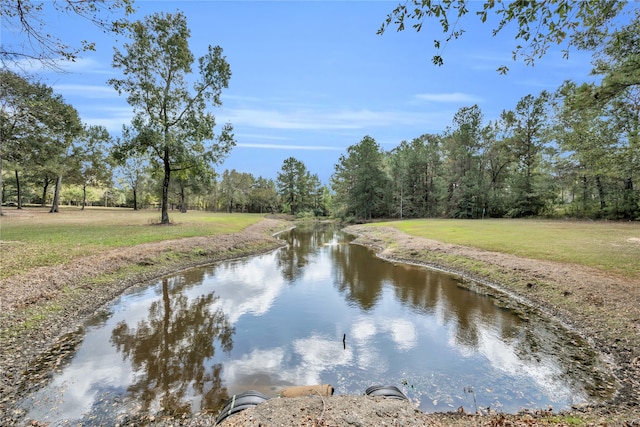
344, 341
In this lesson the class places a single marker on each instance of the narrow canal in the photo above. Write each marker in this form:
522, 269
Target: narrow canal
318, 311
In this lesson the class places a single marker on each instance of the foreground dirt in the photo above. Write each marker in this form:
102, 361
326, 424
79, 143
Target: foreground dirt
41, 314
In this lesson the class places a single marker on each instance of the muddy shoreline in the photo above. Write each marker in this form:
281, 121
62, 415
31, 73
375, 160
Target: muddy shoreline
30, 354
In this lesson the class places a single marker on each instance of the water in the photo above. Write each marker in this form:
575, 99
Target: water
188, 342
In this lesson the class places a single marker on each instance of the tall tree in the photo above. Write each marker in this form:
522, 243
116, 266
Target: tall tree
527, 124
61, 158
191, 182
462, 146
93, 166
264, 195
498, 164
539, 24
397, 164
586, 136
360, 182
235, 189
415, 170
314, 188
618, 62
20, 100
134, 171
619, 94
171, 120
293, 183
625, 111
27, 18
425, 183
36, 125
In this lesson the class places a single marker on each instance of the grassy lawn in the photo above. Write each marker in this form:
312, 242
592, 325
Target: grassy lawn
33, 237
609, 246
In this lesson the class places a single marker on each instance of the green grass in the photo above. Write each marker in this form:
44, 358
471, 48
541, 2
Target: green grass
609, 246
33, 237
566, 419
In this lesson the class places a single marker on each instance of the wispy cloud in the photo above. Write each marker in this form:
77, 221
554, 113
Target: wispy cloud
553, 61
487, 60
290, 147
112, 118
261, 136
320, 119
456, 97
86, 91
113, 125
83, 65
86, 65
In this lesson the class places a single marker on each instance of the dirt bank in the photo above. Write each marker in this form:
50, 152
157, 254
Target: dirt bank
42, 311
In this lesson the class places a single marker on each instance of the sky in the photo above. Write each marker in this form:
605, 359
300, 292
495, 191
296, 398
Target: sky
311, 78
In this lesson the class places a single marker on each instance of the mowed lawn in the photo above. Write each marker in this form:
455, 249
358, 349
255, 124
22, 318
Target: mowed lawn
609, 246
34, 237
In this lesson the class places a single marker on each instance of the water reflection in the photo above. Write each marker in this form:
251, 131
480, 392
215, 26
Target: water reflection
269, 370
246, 288
302, 245
169, 348
279, 319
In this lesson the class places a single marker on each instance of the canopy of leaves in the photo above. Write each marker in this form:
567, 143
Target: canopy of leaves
35, 123
172, 121
40, 44
540, 24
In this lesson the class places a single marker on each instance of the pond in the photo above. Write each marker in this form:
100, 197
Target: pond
319, 311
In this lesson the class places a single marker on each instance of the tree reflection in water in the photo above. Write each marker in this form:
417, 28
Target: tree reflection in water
302, 245
536, 342
170, 349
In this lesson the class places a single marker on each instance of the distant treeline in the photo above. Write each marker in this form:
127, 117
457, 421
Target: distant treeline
541, 159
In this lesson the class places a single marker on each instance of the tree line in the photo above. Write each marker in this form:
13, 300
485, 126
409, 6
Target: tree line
574, 152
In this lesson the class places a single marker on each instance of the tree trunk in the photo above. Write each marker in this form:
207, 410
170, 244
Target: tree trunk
44, 192
183, 201
165, 188
56, 196
84, 196
135, 199
603, 203
629, 199
584, 194
19, 190
1, 184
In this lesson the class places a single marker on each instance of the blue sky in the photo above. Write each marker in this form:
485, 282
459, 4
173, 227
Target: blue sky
310, 79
